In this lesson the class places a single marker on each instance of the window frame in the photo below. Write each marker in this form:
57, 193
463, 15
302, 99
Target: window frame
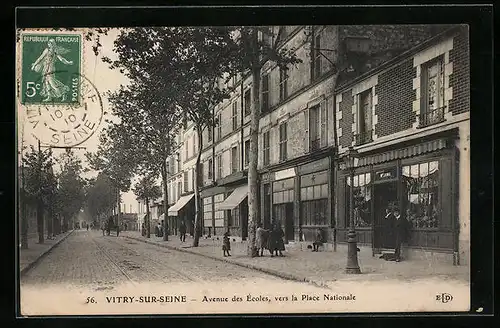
266, 150
364, 136
265, 92
283, 83
283, 140
425, 111
234, 115
247, 152
234, 159
210, 172
219, 126
218, 165
248, 108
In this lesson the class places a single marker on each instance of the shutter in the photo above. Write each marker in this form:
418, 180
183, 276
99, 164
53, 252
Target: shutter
306, 131
341, 205
323, 122
446, 193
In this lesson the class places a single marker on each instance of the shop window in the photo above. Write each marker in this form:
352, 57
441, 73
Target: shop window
365, 104
235, 217
283, 142
207, 212
266, 148
421, 182
362, 200
314, 212
432, 86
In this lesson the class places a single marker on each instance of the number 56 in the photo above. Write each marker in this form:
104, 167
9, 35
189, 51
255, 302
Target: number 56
31, 88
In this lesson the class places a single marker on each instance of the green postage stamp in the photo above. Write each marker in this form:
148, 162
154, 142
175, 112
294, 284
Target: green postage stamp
51, 68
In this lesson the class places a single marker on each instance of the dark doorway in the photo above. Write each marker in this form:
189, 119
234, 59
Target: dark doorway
289, 222
385, 196
267, 207
244, 218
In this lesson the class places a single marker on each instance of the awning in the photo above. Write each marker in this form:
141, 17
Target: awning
173, 211
234, 199
404, 153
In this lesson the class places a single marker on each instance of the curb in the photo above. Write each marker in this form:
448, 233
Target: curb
272, 272
35, 262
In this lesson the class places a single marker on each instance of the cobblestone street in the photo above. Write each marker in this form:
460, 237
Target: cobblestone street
88, 259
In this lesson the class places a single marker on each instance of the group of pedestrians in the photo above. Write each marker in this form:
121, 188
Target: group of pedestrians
272, 239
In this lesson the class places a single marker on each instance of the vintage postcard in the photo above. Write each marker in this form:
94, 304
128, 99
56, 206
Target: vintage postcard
243, 169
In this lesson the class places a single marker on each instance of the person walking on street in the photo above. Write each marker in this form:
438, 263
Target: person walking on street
103, 228
182, 231
402, 230
226, 244
277, 244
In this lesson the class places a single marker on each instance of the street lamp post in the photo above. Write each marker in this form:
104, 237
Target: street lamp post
351, 161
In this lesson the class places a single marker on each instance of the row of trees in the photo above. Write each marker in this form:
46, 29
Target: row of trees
174, 74
58, 195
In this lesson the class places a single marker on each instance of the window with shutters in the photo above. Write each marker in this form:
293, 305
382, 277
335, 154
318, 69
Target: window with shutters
248, 102
265, 148
210, 169
179, 163
365, 111
186, 181
283, 141
318, 126
234, 159
219, 126
316, 57
218, 162
209, 134
234, 116
283, 83
247, 152
265, 93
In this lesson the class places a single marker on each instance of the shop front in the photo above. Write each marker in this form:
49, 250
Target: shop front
182, 211
299, 199
236, 207
417, 179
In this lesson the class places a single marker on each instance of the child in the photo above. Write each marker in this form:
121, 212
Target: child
226, 244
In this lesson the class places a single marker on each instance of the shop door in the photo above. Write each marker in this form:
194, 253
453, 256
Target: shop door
289, 226
385, 196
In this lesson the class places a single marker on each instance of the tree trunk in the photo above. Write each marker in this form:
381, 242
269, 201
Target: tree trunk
148, 230
39, 220
164, 177
253, 208
118, 213
197, 187
50, 223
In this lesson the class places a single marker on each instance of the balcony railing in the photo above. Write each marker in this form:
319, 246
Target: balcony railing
431, 117
364, 137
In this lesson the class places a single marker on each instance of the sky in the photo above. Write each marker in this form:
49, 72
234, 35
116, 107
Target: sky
104, 79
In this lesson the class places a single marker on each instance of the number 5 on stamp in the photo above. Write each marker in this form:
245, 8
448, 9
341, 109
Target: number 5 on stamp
51, 68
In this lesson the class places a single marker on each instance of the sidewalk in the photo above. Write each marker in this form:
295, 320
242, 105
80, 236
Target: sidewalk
315, 267
29, 257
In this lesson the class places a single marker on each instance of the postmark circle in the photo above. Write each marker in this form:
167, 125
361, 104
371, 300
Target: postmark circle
68, 125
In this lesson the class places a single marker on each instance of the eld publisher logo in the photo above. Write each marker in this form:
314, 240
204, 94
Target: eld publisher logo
444, 297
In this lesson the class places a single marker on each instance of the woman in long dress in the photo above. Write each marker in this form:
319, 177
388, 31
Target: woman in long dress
46, 65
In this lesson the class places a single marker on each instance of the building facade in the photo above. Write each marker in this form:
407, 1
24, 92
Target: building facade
401, 100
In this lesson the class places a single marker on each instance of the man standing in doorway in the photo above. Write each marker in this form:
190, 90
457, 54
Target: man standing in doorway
402, 232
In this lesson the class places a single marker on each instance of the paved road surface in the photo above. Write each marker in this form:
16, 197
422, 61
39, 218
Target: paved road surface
88, 259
